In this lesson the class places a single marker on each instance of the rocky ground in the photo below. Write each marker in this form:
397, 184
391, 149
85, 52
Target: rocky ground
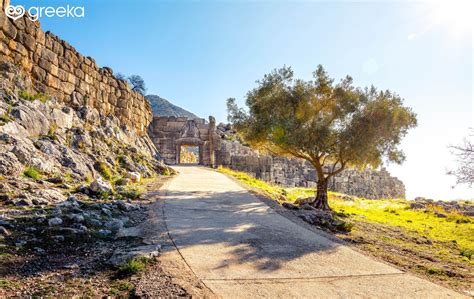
73, 184
80, 247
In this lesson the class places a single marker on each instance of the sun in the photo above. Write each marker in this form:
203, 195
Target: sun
457, 16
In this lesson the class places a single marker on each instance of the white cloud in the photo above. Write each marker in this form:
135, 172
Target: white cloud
411, 36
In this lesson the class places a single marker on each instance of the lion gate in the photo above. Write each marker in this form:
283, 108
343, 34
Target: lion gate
170, 134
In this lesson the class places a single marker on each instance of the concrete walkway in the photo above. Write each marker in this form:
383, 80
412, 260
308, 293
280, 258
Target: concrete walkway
240, 248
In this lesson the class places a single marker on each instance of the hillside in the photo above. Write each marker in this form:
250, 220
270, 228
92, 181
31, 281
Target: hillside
162, 107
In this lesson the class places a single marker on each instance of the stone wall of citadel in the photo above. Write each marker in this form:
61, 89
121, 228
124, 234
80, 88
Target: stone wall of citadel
58, 70
292, 172
164, 131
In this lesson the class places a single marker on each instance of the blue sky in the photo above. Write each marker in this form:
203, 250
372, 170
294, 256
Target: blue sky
198, 54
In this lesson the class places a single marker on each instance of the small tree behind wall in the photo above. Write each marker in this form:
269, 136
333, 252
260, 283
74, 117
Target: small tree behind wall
332, 126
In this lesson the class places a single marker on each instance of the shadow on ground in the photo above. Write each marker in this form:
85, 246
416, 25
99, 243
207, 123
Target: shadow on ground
244, 228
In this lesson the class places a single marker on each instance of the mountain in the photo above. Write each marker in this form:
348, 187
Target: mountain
162, 107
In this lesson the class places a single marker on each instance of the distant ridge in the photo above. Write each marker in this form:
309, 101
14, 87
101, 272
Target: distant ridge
162, 107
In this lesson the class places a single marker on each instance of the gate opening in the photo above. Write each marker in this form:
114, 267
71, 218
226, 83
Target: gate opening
189, 154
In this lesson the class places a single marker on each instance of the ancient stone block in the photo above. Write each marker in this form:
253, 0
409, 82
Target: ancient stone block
48, 67
4, 49
49, 56
52, 81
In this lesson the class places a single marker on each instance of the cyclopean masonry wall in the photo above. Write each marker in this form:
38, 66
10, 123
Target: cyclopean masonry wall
55, 68
170, 133
300, 173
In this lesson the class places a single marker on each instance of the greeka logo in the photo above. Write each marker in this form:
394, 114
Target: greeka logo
15, 12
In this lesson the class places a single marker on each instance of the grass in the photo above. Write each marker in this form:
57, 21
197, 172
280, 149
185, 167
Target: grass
397, 213
32, 97
394, 214
132, 266
105, 171
121, 289
32, 172
5, 118
132, 194
52, 132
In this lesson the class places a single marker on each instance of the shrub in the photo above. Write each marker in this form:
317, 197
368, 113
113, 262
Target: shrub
468, 253
344, 226
4, 118
131, 194
52, 132
104, 195
32, 172
132, 266
122, 286
105, 171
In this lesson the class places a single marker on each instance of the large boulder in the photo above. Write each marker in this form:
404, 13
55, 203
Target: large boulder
99, 185
133, 176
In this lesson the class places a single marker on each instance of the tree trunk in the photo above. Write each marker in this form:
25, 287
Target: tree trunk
321, 201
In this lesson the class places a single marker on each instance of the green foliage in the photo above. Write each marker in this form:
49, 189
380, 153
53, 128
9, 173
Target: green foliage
393, 213
137, 84
5, 118
104, 195
105, 171
51, 132
32, 172
132, 266
343, 226
396, 213
336, 125
30, 97
89, 178
468, 253
121, 286
131, 194
7, 284
274, 191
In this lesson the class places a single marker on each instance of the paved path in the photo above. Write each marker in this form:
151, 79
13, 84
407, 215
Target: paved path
240, 248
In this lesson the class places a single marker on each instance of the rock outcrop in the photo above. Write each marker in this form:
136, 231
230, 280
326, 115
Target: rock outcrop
58, 147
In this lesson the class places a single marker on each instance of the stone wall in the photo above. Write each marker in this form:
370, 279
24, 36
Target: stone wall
291, 172
58, 70
169, 133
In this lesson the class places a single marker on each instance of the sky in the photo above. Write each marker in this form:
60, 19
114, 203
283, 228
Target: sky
199, 53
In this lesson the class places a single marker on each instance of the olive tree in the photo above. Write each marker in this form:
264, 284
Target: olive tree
331, 125
137, 84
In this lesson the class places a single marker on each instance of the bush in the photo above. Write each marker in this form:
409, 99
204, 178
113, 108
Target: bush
132, 266
468, 253
32, 172
4, 118
344, 226
131, 194
104, 195
105, 171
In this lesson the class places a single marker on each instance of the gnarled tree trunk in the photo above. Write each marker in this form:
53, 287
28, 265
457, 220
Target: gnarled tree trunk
321, 201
